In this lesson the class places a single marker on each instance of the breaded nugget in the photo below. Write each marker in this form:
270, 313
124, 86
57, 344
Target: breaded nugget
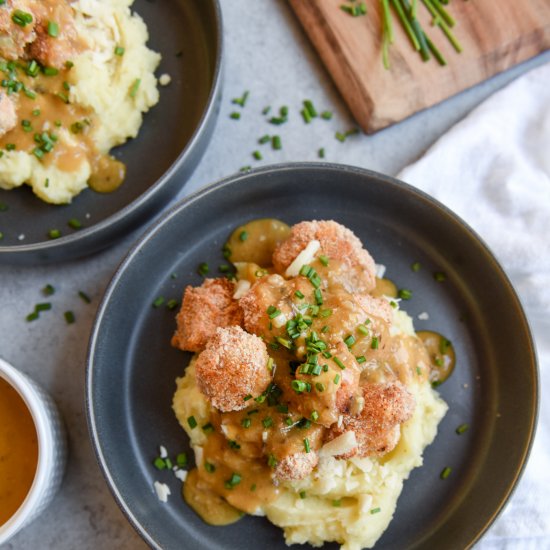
377, 420
337, 242
233, 366
204, 309
296, 466
8, 114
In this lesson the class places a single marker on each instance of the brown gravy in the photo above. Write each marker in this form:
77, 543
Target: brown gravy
249, 443
18, 451
47, 112
441, 353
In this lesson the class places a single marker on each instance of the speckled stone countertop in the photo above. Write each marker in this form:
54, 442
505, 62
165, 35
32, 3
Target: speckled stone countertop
267, 53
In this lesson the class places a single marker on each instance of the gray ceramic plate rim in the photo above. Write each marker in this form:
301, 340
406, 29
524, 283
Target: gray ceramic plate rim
201, 194
137, 204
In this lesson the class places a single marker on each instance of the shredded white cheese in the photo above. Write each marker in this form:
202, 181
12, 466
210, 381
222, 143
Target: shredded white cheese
165, 79
241, 288
305, 257
423, 316
340, 445
181, 474
163, 452
162, 490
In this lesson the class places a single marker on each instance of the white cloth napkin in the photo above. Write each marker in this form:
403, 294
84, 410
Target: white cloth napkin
493, 170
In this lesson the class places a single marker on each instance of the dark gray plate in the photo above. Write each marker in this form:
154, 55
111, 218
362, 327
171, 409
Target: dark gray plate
171, 141
132, 367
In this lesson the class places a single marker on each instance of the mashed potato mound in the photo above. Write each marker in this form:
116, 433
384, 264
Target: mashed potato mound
118, 89
365, 490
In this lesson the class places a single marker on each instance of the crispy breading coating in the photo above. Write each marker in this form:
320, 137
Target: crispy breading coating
233, 366
203, 310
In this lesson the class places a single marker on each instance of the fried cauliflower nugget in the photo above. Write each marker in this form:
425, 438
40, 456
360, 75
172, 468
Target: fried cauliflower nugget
8, 114
204, 309
233, 366
296, 466
337, 242
377, 422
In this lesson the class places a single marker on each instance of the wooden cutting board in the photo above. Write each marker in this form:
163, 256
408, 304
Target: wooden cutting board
495, 35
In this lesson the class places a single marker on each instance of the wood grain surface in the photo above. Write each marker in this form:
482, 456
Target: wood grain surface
495, 35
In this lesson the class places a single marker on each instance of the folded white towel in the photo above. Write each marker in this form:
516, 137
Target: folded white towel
493, 170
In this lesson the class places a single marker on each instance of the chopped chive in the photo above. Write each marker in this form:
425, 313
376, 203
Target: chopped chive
404, 294
336, 379
168, 463
276, 143
257, 155
264, 139
302, 494
361, 359
418, 370
445, 473
203, 269
321, 153
54, 233
306, 116
172, 304
363, 330
307, 448
323, 259
69, 317
159, 463
318, 297
233, 444
119, 50
375, 510
267, 422
462, 428
325, 329
337, 503
299, 295
134, 88
84, 296
416, 266
3, 207
21, 18
325, 313
32, 316
157, 302
44, 306
208, 428
314, 416
246, 422
319, 387
247, 397
253, 487
181, 460
209, 467
440, 276
338, 361
374, 342
308, 104
192, 422
235, 115
74, 223
48, 290
243, 235
241, 101
270, 364
326, 115
53, 29
265, 110
271, 460
349, 341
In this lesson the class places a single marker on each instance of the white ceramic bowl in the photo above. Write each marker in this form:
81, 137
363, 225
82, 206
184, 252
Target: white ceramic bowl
52, 450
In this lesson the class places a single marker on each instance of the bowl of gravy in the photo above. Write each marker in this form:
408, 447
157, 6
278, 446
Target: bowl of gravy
33, 450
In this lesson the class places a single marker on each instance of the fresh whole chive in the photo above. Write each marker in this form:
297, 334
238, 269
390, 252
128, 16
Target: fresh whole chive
437, 54
388, 29
406, 24
443, 13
